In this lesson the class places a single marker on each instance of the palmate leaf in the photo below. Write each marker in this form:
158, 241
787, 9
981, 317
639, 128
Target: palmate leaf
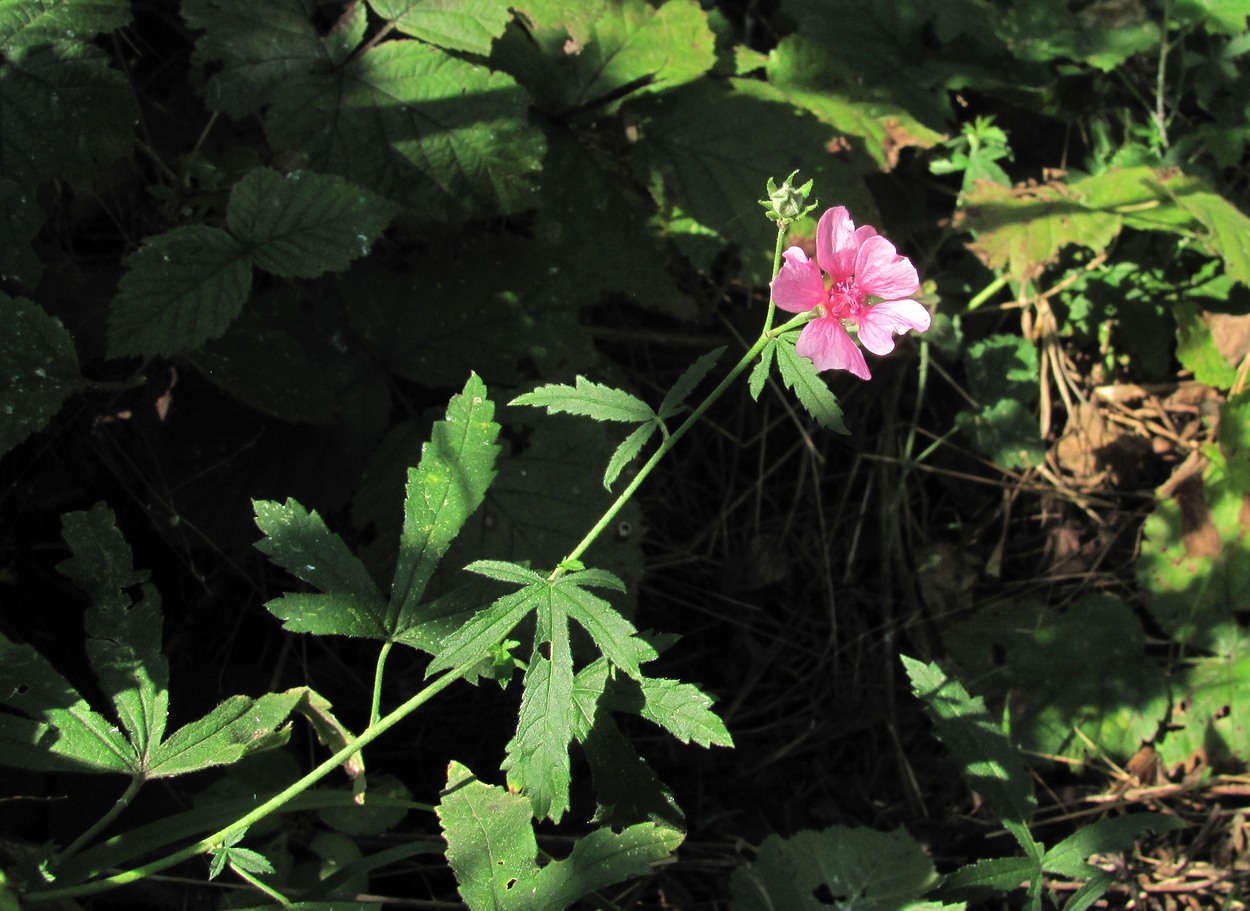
38, 369
493, 852
626, 788
456, 468
467, 25
60, 731
594, 54
124, 636
706, 147
56, 730
447, 138
30, 23
348, 603
800, 374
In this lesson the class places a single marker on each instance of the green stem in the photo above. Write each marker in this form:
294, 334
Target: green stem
218, 838
113, 812
670, 441
772, 304
987, 292
375, 712
256, 884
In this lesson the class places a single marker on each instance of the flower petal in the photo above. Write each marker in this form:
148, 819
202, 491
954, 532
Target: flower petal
830, 347
882, 272
837, 242
878, 323
799, 286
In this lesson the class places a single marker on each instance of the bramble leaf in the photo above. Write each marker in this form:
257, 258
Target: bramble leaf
862, 868
447, 138
457, 466
64, 112
594, 400
813, 393
38, 369
301, 225
707, 146
182, 288
34, 22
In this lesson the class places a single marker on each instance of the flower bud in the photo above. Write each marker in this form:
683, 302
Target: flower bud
785, 204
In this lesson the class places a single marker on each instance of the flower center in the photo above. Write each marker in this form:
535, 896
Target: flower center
845, 300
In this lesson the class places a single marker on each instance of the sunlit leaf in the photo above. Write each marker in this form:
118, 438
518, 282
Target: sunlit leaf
461, 26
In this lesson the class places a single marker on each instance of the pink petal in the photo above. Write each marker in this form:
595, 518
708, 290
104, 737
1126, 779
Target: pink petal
799, 286
881, 272
878, 323
837, 242
830, 348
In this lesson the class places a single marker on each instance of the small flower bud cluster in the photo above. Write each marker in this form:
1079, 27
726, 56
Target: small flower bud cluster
786, 204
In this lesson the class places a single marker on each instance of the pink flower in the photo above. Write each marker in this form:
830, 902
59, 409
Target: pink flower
861, 264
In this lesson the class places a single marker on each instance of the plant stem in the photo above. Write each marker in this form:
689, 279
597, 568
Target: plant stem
113, 812
986, 293
670, 441
218, 838
259, 886
772, 304
375, 711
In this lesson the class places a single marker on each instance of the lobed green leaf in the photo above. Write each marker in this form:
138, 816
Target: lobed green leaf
238, 727
457, 466
299, 542
603, 403
467, 25
537, 757
124, 635
626, 452
687, 382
